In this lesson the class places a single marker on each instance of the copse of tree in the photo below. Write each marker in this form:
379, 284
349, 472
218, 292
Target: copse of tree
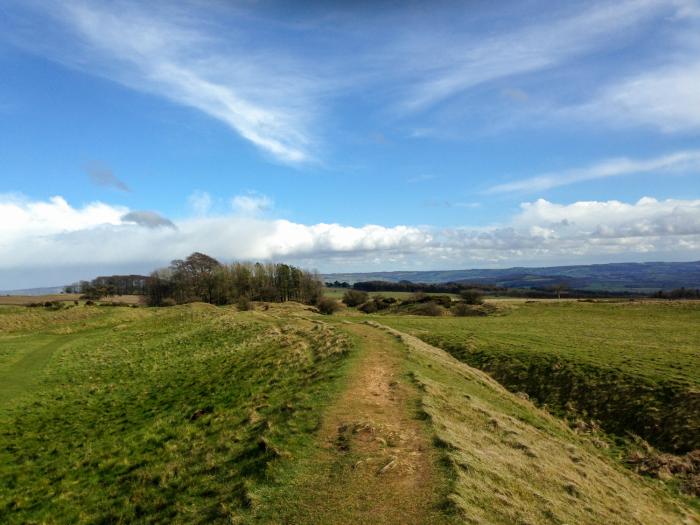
472, 296
355, 297
200, 277
337, 284
109, 285
678, 293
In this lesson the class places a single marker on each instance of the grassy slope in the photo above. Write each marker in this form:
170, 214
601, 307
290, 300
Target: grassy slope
190, 414
516, 464
635, 366
161, 416
19, 300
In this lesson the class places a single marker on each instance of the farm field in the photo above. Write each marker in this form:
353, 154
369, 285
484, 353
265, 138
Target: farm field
204, 414
633, 365
20, 300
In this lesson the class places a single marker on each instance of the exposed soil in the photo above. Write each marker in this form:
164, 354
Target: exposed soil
376, 463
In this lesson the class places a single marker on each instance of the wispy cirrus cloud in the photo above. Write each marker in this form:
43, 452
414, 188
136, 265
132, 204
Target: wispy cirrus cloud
665, 97
177, 53
679, 162
442, 66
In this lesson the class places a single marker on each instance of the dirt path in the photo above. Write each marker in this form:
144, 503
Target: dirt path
376, 463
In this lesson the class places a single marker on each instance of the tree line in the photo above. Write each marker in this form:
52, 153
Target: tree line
678, 293
200, 277
558, 290
109, 285
408, 286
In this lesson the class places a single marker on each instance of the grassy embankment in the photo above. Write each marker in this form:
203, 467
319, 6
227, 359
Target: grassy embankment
634, 366
162, 416
200, 414
514, 463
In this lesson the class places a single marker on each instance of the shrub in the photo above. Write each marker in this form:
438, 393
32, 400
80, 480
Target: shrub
442, 300
244, 304
472, 296
89, 302
355, 297
328, 306
418, 297
464, 310
168, 301
430, 309
369, 307
382, 302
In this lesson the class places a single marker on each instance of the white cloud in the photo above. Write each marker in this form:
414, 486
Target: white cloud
667, 98
251, 203
171, 52
682, 161
441, 66
39, 236
22, 219
199, 202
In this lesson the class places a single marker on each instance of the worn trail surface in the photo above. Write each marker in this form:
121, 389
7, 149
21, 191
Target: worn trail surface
376, 463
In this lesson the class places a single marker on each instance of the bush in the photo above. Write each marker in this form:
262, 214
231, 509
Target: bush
382, 303
369, 307
418, 297
472, 296
244, 304
53, 305
442, 300
89, 302
355, 297
168, 301
430, 309
464, 310
328, 306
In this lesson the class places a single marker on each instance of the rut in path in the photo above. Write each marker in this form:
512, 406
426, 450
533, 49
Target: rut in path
376, 463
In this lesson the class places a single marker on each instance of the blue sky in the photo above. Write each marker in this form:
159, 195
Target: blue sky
346, 136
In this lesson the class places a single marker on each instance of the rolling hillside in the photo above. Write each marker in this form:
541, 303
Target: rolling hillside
204, 414
632, 277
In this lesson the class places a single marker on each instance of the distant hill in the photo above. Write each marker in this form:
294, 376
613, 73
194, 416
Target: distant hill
49, 290
639, 277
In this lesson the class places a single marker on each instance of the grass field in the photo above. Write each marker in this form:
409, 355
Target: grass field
633, 365
203, 414
121, 414
19, 300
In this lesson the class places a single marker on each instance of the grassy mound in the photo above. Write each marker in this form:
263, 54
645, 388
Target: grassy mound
514, 463
160, 416
635, 367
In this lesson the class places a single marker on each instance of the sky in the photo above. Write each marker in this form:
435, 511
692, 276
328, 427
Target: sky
346, 136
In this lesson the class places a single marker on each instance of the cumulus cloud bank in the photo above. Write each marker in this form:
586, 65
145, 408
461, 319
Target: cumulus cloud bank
36, 235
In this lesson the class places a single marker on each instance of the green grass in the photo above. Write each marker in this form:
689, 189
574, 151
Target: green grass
158, 416
635, 366
514, 463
